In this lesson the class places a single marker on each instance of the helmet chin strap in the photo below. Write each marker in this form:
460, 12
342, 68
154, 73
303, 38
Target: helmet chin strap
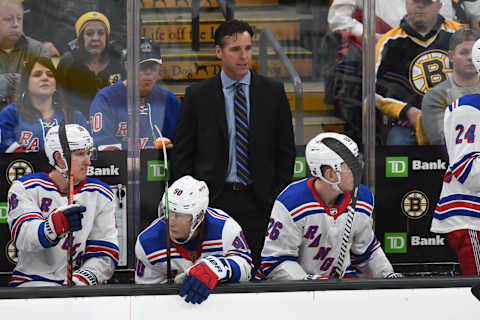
334, 184
64, 171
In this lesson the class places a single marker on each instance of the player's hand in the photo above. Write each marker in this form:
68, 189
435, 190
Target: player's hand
64, 220
394, 275
84, 277
203, 277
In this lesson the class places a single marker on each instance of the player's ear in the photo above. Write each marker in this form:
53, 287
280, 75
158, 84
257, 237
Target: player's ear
58, 160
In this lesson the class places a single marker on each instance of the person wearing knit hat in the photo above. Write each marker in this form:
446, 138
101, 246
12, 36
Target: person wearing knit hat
93, 64
91, 16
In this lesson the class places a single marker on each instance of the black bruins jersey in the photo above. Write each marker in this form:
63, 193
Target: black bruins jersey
408, 64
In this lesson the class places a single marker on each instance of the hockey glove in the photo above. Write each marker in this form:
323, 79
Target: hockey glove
203, 277
84, 277
394, 275
63, 220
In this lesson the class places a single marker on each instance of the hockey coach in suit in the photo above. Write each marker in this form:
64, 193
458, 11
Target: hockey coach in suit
235, 132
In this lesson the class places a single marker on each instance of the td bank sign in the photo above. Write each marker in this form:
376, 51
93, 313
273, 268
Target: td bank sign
397, 167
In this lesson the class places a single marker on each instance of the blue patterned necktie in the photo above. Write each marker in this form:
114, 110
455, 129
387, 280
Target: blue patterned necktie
241, 134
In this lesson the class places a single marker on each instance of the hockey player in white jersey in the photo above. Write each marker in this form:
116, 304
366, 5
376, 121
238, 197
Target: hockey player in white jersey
208, 247
39, 217
308, 218
458, 209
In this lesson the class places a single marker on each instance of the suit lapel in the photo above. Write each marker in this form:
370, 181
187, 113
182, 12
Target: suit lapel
218, 102
254, 110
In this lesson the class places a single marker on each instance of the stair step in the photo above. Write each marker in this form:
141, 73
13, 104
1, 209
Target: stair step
314, 124
151, 4
182, 64
176, 28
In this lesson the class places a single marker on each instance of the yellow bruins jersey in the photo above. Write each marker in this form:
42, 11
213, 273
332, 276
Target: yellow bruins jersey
408, 64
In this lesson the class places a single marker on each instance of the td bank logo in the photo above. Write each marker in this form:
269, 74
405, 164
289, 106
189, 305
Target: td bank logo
3, 212
396, 242
396, 167
156, 171
300, 168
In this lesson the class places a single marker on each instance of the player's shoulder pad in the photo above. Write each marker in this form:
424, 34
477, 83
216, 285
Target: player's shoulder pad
297, 193
365, 201
215, 220
153, 238
469, 100
95, 185
34, 176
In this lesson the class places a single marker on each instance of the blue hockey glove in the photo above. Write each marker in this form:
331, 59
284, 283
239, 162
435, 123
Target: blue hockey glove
203, 277
63, 220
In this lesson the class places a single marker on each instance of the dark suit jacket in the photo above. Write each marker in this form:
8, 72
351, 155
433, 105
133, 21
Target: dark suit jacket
201, 139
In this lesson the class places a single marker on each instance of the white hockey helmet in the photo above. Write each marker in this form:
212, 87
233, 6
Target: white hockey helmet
318, 154
78, 139
188, 196
476, 55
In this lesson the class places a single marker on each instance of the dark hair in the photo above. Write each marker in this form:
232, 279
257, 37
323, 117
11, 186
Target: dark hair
23, 103
230, 28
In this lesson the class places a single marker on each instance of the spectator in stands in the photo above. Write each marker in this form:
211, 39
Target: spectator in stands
343, 80
159, 108
464, 80
345, 14
467, 12
53, 21
410, 60
93, 65
217, 115
15, 49
38, 107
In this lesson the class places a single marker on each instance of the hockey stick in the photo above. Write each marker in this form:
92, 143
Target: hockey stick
62, 134
167, 214
354, 165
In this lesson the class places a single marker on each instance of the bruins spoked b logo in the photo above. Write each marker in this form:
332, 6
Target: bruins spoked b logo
11, 252
428, 69
18, 169
415, 204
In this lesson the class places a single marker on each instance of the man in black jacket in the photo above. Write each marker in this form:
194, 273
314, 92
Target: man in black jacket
243, 178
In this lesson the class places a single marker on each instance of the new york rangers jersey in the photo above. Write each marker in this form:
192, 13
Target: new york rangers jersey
304, 236
219, 235
95, 247
16, 132
459, 204
108, 116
